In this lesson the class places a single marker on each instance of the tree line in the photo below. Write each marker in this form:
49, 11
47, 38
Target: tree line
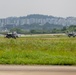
64, 29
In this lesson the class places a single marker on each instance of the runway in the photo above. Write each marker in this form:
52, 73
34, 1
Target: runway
37, 70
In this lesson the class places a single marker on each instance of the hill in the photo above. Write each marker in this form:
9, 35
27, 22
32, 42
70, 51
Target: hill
36, 21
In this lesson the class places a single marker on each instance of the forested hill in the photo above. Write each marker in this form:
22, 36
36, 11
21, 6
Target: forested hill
37, 18
36, 21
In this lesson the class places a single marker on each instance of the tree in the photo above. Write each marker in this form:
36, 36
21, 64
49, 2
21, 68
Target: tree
72, 28
18, 30
33, 31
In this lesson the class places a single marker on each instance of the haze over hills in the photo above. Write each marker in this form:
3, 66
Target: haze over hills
36, 21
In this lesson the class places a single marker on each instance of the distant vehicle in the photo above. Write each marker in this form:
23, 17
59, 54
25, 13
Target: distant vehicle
11, 35
71, 34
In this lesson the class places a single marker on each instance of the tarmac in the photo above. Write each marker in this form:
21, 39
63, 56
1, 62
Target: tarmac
37, 70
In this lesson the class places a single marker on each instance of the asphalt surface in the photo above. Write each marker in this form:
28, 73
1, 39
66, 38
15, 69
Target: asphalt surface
37, 70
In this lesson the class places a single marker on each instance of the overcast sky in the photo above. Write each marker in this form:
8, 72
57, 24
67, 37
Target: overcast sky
60, 8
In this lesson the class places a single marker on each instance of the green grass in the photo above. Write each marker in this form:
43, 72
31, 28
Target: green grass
38, 50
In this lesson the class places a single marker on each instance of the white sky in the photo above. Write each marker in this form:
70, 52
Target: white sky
60, 8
